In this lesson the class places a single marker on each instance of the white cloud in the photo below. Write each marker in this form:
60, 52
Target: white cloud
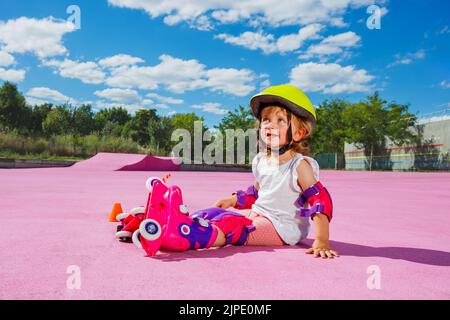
87, 72
330, 78
407, 58
338, 22
46, 95
294, 41
202, 23
175, 74
128, 98
232, 81
132, 108
268, 43
12, 75
120, 95
6, 59
41, 37
333, 45
35, 101
119, 60
164, 99
255, 12
251, 40
445, 84
211, 107
179, 76
265, 82
161, 106
444, 30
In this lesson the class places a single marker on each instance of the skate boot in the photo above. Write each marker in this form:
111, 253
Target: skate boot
168, 226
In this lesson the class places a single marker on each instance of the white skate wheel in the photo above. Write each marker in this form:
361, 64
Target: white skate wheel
122, 216
123, 234
184, 209
137, 210
149, 183
136, 240
150, 229
185, 229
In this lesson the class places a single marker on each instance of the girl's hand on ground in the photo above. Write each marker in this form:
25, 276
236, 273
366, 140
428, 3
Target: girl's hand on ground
226, 203
321, 248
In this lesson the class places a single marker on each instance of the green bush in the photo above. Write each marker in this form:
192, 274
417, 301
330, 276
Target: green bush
65, 145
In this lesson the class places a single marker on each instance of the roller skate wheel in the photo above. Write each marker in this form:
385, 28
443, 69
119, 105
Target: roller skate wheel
122, 216
136, 239
150, 229
123, 234
185, 229
137, 210
150, 181
184, 209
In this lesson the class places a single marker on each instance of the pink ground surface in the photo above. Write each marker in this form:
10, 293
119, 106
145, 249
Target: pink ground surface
57, 217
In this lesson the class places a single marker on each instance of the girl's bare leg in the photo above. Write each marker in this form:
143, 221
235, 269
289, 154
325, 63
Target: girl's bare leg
220, 240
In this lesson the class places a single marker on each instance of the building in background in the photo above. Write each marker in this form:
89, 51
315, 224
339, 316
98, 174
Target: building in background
432, 152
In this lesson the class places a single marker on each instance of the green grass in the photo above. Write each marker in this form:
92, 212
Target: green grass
39, 156
63, 147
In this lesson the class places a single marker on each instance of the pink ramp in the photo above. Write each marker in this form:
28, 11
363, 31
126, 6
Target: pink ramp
391, 229
128, 162
153, 163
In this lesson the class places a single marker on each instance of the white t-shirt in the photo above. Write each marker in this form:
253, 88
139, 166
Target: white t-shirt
277, 195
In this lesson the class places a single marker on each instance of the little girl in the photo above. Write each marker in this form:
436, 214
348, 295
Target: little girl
283, 172
285, 195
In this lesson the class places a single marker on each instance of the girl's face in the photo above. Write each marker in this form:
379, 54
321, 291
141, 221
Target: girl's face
274, 126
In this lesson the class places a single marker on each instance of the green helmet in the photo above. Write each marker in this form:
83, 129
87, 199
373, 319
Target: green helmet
287, 95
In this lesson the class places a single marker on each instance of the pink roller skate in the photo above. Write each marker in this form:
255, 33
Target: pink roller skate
129, 223
168, 226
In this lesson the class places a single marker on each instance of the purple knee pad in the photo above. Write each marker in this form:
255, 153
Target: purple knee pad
235, 226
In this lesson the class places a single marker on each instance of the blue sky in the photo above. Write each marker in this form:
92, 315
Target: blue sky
212, 56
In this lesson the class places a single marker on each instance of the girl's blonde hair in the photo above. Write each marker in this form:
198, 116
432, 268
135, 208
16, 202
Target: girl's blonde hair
298, 123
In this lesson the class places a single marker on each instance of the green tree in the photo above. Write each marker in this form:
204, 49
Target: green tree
369, 123
330, 131
240, 118
58, 121
187, 121
13, 111
38, 115
160, 132
116, 115
83, 121
140, 126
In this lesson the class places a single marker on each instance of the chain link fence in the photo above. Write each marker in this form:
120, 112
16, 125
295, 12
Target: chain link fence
412, 158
